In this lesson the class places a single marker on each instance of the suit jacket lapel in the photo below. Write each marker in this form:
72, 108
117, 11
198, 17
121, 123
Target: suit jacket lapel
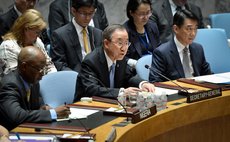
22, 90
91, 37
74, 39
104, 72
176, 58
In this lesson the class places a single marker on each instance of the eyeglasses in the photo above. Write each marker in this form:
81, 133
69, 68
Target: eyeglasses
40, 70
121, 44
84, 14
143, 15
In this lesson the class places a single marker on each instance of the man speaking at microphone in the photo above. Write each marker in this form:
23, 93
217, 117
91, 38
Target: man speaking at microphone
105, 71
180, 57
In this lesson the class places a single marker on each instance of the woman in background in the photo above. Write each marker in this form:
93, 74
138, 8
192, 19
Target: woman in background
143, 33
24, 32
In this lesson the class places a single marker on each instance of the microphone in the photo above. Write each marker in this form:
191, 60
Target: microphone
180, 91
90, 76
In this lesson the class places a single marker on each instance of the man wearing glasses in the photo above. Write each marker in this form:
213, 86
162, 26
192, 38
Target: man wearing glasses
105, 71
72, 42
60, 14
20, 101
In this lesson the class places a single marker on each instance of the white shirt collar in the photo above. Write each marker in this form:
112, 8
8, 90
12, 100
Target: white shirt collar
179, 45
17, 11
109, 61
78, 27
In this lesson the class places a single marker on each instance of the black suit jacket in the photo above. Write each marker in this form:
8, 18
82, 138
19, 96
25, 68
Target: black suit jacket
166, 60
7, 20
95, 65
60, 15
162, 15
66, 48
14, 107
136, 49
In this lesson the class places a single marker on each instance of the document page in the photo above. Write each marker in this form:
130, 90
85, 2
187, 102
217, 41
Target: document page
159, 91
79, 113
214, 78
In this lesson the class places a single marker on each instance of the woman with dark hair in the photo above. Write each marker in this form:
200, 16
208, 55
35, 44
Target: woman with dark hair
143, 33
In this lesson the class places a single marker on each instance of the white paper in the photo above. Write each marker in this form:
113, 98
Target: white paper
159, 91
214, 78
79, 113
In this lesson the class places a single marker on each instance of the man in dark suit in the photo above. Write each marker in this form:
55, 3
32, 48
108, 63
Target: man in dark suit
180, 57
94, 78
68, 44
60, 15
7, 19
163, 11
19, 92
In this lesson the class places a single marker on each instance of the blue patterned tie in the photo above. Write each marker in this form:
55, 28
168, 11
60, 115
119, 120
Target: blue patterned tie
111, 75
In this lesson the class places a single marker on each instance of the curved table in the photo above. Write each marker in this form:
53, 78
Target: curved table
204, 121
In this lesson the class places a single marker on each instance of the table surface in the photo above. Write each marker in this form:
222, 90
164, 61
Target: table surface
178, 114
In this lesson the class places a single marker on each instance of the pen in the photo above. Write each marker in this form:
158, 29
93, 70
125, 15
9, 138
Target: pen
18, 136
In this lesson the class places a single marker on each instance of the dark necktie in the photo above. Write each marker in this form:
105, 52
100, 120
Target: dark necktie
111, 75
178, 8
186, 66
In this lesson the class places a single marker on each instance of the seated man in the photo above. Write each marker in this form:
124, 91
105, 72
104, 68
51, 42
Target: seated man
180, 57
60, 15
19, 92
105, 71
163, 11
73, 41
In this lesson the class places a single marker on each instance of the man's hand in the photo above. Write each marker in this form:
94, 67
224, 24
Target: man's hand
62, 111
148, 87
131, 90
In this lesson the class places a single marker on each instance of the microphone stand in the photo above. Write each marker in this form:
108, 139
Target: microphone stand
184, 91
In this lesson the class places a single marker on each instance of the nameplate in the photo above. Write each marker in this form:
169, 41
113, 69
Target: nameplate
203, 95
141, 115
134, 113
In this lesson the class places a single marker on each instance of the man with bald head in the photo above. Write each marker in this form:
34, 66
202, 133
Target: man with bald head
19, 92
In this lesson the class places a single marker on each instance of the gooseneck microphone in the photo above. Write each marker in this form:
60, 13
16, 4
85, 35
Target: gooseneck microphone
90, 76
155, 71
